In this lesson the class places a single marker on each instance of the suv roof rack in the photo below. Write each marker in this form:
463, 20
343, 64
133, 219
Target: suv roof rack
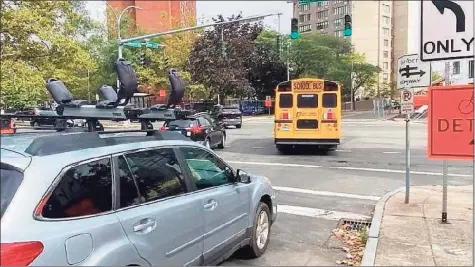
55, 144
115, 106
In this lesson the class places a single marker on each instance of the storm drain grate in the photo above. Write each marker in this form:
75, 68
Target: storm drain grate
354, 224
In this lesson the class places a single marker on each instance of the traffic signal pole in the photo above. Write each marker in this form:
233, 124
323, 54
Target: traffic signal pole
247, 19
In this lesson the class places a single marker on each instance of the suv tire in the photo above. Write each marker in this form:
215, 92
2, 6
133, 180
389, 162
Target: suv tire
257, 246
223, 140
238, 126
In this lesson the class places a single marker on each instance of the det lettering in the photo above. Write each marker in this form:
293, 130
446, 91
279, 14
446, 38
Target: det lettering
451, 45
455, 125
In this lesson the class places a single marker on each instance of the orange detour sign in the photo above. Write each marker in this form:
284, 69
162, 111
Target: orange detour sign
450, 122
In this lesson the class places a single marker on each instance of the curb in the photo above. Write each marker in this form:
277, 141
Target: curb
369, 255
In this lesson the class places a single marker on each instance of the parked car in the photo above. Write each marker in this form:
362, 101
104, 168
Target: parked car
127, 200
199, 127
52, 121
228, 115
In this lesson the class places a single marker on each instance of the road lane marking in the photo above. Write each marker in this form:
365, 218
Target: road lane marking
343, 150
273, 164
347, 168
324, 193
391, 152
321, 213
399, 171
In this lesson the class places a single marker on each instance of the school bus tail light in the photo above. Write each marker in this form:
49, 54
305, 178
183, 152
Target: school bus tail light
329, 115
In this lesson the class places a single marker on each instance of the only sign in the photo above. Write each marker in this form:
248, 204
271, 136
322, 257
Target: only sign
451, 122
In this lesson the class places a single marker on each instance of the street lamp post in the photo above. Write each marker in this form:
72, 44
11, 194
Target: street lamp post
119, 44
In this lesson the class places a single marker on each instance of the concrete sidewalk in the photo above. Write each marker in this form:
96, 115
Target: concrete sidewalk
411, 234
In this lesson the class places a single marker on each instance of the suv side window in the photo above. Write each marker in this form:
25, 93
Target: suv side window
83, 190
203, 121
157, 173
129, 191
206, 169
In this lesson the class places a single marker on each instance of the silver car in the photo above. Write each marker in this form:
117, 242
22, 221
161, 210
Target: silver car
90, 199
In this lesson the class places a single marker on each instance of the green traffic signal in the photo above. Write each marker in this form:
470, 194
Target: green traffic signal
348, 30
294, 29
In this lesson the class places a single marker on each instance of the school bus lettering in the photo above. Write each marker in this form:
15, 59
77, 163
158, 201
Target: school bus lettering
307, 85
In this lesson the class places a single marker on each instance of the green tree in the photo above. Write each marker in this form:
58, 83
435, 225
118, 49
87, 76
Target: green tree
436, 76
225, 74
40, 40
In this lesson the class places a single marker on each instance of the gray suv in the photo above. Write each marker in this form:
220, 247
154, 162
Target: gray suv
123, 199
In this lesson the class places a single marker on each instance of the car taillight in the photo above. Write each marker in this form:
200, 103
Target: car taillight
196, 129
19, 254
163, 128
12, 124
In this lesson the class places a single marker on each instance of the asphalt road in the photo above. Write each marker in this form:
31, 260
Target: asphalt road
315, 190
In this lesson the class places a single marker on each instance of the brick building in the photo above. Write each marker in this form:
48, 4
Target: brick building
159, 15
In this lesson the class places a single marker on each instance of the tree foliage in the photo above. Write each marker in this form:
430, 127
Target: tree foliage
40, 40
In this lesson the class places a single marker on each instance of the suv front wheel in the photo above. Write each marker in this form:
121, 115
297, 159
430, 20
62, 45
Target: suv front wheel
260, 235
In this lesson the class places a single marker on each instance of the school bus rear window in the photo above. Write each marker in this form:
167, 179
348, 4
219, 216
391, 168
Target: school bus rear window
286, 101
307, 101
329, 100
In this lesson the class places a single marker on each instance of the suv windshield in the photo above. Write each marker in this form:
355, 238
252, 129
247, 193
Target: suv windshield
180, 123
10, 181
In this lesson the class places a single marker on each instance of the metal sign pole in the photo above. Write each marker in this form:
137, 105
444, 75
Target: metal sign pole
445, 167
408, 159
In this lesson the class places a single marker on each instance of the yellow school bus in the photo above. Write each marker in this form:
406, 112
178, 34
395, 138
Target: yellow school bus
307, 113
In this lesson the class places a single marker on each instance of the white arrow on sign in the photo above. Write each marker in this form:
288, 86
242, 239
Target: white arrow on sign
446, 30
411, 72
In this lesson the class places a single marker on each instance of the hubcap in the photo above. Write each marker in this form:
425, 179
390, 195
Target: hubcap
262, 231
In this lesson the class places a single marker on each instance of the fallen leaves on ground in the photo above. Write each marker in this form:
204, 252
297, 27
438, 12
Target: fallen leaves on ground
353, 241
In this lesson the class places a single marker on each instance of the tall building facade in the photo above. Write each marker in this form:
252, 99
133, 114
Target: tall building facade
372, 24
160, 15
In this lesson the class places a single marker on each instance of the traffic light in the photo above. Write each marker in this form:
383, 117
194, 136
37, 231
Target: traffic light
348, 30
279, 43
294, 29
223, 49
142, 59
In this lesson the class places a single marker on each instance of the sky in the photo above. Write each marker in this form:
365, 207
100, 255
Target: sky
208, 9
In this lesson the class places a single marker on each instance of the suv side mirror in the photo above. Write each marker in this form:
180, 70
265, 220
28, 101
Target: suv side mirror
243, 177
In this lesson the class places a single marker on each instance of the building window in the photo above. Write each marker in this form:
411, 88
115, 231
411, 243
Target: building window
340, 1
322, 14
305, 18
339, 33
322, 3
386, 20
456, 67
338, 22
340, 10
305, 7
470, 69
305, 28
385, 54
322, 25
385, 65
385, 77
386, 43
386, 8
386, 31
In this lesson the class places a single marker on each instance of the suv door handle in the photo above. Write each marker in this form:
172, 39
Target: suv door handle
211, 205
144, 224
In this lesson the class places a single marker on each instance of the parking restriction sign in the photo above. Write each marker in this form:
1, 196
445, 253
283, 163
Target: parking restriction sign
407, 101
